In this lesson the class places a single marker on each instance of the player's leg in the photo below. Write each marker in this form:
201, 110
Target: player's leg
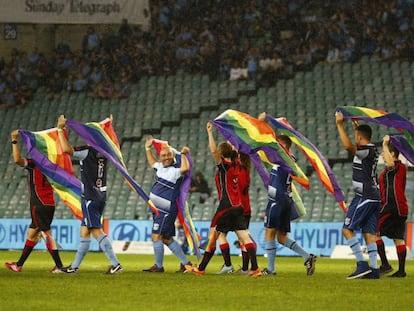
52, 247
351, 223
402, 255
225, 252
167, 232
157, 244
369, 217
245, 255
83, 248
244, 238
210, 248
270, 247
45, 218
382, 230
31, 240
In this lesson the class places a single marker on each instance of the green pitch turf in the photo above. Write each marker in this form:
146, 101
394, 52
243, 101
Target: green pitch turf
290, 289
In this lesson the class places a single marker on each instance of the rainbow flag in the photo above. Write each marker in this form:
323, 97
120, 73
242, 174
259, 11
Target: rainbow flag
404, 142
315, 157
184, 215
257, 139
45, 150
102, 137
405, 145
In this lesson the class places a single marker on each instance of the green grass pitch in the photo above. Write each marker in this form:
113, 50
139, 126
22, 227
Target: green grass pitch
290, 289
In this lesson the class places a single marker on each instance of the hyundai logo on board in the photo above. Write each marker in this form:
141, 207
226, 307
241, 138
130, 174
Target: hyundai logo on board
126, 232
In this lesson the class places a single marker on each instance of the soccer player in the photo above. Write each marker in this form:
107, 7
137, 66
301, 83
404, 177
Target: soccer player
278, 216
363, 212
93, 168
394, 208
164, 194
244, 184
229, 214
42, 210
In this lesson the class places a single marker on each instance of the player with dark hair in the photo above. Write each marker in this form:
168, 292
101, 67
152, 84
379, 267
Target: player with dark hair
363, 212
394, 209
164, 194
42, 210
278, 216
244, 185
229, 214
93, 167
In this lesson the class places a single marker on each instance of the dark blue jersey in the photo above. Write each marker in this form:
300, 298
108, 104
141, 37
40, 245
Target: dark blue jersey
364, 176
93, 168
280, 182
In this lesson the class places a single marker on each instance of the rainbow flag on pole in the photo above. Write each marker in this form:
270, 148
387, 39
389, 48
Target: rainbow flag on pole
102, 137
315, 157
45, 150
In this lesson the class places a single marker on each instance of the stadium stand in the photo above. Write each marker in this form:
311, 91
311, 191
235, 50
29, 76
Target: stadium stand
308, 100
175, 104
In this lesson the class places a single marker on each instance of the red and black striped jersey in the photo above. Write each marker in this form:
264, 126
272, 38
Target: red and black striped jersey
39, 187
392, 186
227, 183
244, 185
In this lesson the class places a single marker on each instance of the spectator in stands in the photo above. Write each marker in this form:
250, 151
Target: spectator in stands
238, 72
43, 72
394, 209
8, 99
123, 90
200, 185
105, 89
68, 83
56, 85
95, 77
2, 65
164, 14
62, 49
270, 68
252, 64
84, 67
65, 62
110, 40
333, 55
125, 30
3, 84
33, 58
42, 210
91, 41
80, 83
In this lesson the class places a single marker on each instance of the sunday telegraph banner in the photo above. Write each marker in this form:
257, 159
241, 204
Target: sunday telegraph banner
74, 11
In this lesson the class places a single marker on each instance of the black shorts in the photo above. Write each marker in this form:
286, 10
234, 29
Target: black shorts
232, 219
42, 216
247, 220
392, 226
